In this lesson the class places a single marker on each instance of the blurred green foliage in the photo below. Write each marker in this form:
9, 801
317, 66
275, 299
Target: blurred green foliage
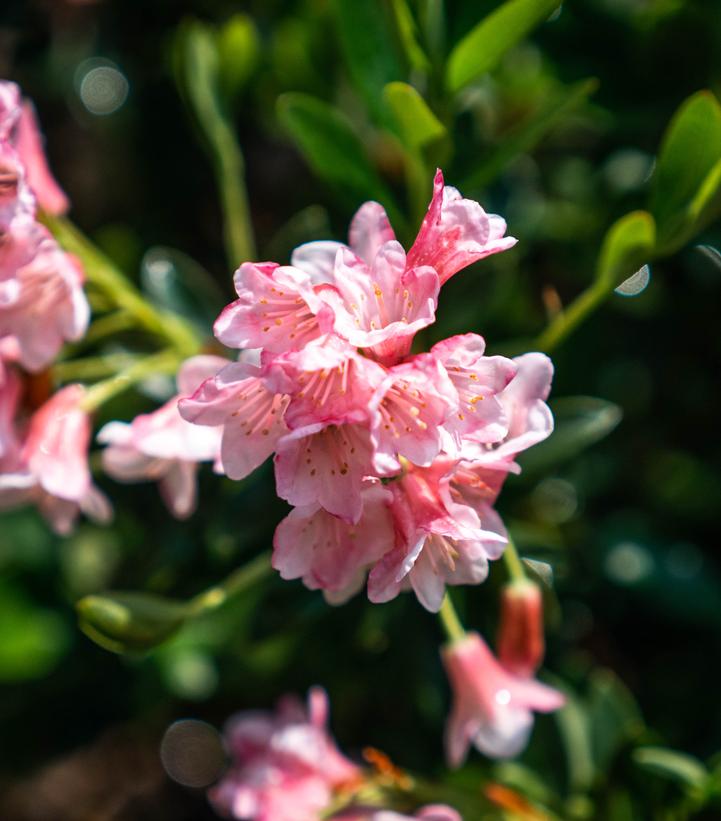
556, 117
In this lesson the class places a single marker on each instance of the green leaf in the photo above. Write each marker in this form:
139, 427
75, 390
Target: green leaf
613, 715
689, 151
524, 137
408, 35
332, 148
580, 421
576, 738
130, 622
366, 36
176, 283
671, 765
629, 243
238, 53
482, 48
416, 125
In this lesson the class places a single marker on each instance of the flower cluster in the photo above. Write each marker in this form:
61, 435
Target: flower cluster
392, 460
43, 439
286, 767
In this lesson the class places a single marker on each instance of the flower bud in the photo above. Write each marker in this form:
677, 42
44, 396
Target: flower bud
520, 634
130, 622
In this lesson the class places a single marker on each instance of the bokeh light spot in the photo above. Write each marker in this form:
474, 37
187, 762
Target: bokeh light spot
101, 86
192, 753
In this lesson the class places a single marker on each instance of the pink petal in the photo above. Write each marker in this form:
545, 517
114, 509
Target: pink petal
50, 196
369, 230
317, 259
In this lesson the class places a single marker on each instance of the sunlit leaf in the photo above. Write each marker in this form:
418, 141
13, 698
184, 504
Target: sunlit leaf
331, 147
368, 44
690, 150
408, 35
681, 768
481, 49
580, 421
238, 53
416, 125
529, 133
628, 245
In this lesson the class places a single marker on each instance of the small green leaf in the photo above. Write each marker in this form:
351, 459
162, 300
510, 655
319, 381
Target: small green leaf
366, 36
524, 137
238, 53
416, 125
681, 768
580, 421
689, 151
482, 48
629, 243
331, 147
613, 715
130, 622
576, 738
408, 35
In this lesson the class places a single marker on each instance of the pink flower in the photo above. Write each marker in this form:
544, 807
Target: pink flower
520, 632
328, 553
492, 707
456, 233
162, 446
252, 415
438, 541
51, 469
42, 303
285, 767
431, 812
9, 400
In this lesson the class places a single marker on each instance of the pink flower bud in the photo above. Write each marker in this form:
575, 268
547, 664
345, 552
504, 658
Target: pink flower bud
520, 634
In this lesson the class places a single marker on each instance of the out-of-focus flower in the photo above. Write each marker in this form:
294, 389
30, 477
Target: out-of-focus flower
51, 467
285, 766
431, 812
520, 642
492, 707
42, 303
162, 446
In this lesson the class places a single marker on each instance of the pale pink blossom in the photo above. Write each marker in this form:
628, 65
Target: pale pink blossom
328, 553
42, 303
456, 232
492, 708
162, 446
10, 108
10, 389
431, 812
17, 204
51, 469
251, 415
439, 541
285, 766
50, 196
277, 309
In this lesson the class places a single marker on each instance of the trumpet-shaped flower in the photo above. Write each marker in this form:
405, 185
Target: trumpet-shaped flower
520, 631
51, 469
492, 707
285, 766
162, 446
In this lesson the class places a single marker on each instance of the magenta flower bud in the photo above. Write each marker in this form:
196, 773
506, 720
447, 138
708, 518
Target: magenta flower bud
520, 641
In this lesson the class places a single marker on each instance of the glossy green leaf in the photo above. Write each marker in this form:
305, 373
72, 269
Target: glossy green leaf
629, 243
690, 150
482, 48
671, 765
408, 36
524, 137
415, 123
238, 54
580, 421
175, 282
331, 147
366, 35
130, 622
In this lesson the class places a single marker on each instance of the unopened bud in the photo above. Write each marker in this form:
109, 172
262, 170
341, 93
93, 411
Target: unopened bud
520, 633
130, 622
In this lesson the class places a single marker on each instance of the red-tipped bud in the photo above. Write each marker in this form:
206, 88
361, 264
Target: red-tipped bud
520, 633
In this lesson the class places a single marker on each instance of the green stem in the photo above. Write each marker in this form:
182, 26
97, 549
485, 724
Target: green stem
568, 320
166, 361
450, 621
102, 273
513, 562
238, 581
92, 367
